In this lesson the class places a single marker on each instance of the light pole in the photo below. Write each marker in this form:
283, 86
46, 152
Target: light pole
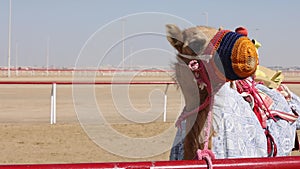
123, 44
9, 40
206, 17
16, 68
47, 56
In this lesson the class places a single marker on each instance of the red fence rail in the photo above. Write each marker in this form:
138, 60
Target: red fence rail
79, 82
291, 82
90, 70
106, 82
290, 162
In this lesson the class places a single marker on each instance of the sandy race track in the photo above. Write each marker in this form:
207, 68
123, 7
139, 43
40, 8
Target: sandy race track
26, 135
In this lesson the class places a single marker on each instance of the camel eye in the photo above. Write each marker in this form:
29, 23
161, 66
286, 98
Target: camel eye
197, 45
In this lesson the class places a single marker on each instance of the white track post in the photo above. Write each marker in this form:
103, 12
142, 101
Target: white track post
165, 103
53, 104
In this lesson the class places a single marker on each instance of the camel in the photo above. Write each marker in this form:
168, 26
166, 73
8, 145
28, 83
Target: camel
216, 121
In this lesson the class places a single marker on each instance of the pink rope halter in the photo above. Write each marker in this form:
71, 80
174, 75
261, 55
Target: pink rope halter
202, 79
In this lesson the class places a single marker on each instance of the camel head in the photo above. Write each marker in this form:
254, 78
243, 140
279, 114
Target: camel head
191, 41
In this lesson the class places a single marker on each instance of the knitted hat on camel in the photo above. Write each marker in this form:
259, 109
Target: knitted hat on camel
234, 55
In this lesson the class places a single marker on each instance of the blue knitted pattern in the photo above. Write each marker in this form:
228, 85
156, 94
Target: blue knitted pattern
224, 51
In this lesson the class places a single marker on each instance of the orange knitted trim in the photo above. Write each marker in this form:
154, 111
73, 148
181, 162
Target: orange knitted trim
244, 57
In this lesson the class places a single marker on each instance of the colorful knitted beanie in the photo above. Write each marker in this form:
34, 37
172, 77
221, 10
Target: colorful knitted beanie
235, 55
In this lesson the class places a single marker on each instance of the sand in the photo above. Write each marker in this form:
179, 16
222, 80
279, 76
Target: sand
26, 135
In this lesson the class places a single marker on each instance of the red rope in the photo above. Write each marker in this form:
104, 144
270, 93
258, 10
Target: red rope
201, 76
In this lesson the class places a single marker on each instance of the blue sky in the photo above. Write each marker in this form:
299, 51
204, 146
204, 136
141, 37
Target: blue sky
67, 27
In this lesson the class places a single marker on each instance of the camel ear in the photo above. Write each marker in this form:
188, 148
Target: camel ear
174, 36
